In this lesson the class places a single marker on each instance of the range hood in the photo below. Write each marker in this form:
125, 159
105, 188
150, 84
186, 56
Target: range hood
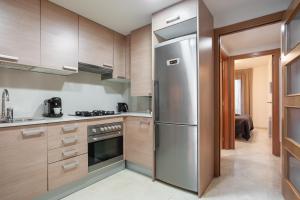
105, 72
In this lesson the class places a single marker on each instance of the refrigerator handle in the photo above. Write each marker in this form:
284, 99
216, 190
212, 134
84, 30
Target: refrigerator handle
156, 134
156, 100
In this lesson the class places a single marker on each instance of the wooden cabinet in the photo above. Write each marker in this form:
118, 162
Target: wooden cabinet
59, 37
67, 153
23, 169
67, 171
139, 141
175, 14
20, 31
96, 44
119, 56
140, 62
127, 57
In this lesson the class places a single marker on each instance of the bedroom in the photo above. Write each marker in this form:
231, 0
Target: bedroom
249, 63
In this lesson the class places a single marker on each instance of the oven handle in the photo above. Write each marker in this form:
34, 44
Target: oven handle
94, 138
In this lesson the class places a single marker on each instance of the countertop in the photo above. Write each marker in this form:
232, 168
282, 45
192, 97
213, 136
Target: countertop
68, 118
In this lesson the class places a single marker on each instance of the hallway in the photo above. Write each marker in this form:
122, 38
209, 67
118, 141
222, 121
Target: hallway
249, 172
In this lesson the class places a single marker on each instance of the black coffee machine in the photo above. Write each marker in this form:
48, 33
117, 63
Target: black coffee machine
53, 107
122, 107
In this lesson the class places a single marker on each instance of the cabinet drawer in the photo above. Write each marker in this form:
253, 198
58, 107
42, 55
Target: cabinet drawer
175, 14
63, 153
66, 134
66, 171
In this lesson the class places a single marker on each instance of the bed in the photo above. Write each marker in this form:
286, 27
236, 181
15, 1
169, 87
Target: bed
243, 126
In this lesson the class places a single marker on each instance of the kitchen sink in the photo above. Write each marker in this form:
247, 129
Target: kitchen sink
20, 120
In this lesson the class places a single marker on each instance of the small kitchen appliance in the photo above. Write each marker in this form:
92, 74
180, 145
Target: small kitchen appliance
53, 107
122, 107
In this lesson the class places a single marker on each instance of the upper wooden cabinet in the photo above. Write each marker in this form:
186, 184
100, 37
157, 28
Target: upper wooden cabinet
20, 31
96, 44
141, 62
119, 56
177, 13
23, 169
59, 37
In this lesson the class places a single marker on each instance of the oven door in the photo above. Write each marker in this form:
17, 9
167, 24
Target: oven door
104, 152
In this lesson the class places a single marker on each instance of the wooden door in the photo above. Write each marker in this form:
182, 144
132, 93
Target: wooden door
20, 31
141, 62
59, 37
291, 102
96, 43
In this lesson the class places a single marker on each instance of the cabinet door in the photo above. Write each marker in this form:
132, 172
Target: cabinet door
139, 141
119, 56
175, 14
141, 65
127, 57
59, 38
96, 43
20, 31
23, 169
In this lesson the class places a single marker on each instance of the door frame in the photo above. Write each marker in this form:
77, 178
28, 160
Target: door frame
275, 53
242, 26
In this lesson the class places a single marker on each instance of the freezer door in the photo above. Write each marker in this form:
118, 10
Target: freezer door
176, 82
176, 155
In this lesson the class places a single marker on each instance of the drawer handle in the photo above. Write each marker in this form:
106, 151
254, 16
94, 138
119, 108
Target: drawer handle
70, 166
121, 77
8, 58
172, 19
69, 68
143, 122
70, 140
33, 132
70, 128
69, 153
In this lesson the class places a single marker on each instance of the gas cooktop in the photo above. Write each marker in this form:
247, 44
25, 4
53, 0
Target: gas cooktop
94, 113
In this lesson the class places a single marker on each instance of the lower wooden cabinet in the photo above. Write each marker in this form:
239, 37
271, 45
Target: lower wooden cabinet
139, 141
23, 168
67, 171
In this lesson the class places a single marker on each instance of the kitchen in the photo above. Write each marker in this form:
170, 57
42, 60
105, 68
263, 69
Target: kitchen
82, 102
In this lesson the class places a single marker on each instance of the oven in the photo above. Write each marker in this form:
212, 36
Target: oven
105, 145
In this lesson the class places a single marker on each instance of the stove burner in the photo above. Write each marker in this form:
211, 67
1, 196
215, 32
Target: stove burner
93, 113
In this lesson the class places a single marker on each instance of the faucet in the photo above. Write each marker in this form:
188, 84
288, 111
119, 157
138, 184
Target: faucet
5, 97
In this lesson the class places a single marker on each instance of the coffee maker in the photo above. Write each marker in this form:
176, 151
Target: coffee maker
53, 107
122, 107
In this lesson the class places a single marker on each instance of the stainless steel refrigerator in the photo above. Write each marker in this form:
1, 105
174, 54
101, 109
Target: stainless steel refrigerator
175, 87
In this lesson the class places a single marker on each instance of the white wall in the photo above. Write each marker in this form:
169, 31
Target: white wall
83, 91
261, 95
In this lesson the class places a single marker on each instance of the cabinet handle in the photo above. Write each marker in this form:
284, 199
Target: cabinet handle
121, 77
70, 128
33, 132
69, 140
107, 65
69, 68
8, 58
143, 122
172, 19
69, 153
70, 166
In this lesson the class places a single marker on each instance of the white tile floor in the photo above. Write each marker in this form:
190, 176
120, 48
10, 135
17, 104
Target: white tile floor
249, 172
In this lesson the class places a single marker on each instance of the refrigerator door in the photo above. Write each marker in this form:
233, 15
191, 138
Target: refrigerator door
176, 81
176, 155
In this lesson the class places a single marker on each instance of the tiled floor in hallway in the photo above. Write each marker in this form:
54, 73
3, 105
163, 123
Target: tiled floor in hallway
249, 172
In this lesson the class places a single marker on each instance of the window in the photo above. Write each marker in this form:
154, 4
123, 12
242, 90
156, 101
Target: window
238, 96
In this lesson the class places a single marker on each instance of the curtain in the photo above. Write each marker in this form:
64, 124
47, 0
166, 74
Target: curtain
245, 76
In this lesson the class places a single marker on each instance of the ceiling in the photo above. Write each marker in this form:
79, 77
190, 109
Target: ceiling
125, 16
253, 40
262, 61
119, 15
227, 12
